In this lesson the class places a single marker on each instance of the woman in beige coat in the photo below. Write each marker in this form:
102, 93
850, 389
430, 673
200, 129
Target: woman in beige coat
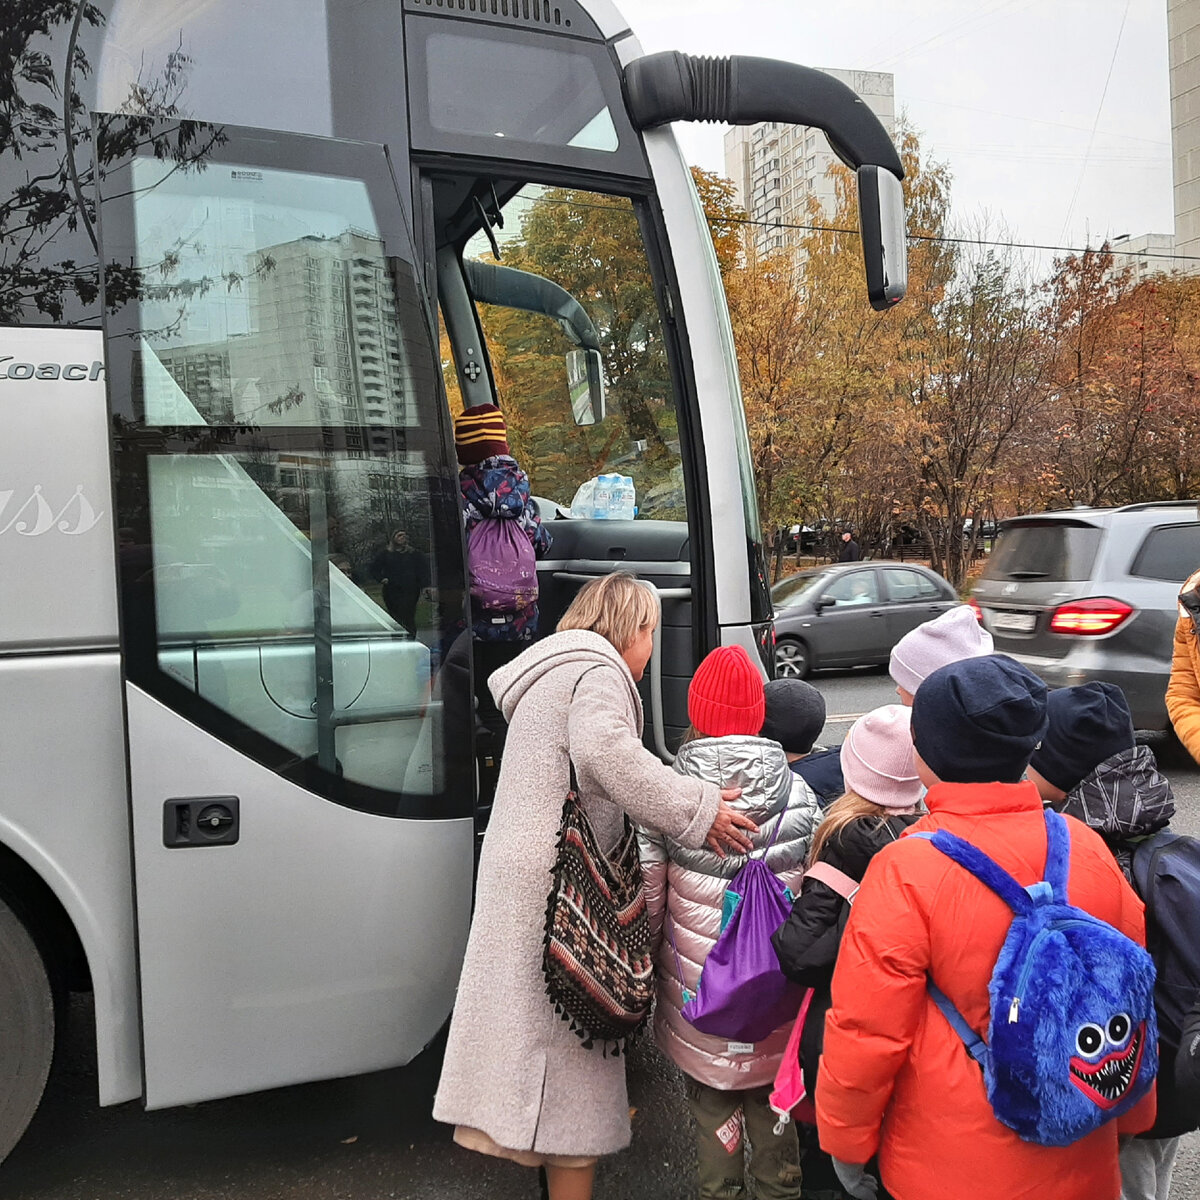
516, 1082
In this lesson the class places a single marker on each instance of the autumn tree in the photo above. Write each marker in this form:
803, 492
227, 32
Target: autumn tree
973, 390
1122, 414
823, 374
726, 218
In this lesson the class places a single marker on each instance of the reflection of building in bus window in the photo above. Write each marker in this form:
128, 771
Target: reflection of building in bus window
404, 572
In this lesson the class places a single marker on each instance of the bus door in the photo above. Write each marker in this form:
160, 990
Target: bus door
291, 570
567, 333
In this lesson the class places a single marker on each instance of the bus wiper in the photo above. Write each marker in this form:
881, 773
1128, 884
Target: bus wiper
1027, 574
485, 223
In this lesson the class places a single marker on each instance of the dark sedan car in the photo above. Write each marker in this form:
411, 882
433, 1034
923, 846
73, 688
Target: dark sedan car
852, 613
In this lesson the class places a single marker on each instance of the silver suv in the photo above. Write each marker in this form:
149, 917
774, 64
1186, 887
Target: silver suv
1091, 594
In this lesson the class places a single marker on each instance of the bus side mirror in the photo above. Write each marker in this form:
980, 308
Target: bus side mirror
585, 380
881, 224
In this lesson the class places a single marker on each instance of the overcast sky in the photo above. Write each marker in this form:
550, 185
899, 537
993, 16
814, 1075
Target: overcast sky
1007, 92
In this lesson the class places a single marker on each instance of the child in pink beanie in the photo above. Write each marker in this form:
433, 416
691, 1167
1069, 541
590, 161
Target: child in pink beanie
882, 796
955, 635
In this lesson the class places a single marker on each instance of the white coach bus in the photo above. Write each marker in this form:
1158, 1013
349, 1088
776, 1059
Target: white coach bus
247, 267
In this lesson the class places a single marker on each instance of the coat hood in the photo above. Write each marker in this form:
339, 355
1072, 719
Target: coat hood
1125, 797
580, 647
756, 765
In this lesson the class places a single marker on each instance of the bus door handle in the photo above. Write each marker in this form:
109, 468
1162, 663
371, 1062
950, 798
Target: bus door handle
656, 698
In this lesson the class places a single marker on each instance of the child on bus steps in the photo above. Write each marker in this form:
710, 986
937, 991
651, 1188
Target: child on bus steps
728, 1083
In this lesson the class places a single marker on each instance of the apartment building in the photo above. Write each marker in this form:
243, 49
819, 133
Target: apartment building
776, 168
1183, 33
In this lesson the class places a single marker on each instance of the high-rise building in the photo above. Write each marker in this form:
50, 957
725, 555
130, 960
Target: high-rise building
1183, 33
1144, 255
776, 168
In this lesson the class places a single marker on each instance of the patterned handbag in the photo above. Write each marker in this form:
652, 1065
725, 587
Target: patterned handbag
596, 957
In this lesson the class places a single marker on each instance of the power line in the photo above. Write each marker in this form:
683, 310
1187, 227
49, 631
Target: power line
912, 237
1099, 109
963, 241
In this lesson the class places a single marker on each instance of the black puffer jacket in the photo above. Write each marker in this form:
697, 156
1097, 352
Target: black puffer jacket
806, 944
1125, 800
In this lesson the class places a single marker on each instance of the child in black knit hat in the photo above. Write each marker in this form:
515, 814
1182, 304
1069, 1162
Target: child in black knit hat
795, 716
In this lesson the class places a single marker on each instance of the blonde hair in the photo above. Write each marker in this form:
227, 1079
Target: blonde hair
848, 807
617, 607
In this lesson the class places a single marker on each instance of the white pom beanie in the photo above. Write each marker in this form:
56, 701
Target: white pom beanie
878, 760
955, 635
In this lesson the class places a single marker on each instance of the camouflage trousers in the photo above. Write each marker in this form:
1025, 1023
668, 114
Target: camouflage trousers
725, 1121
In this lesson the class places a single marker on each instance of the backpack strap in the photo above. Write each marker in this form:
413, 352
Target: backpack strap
669, 925
977, 1048
986, 870
1058, 855
831, 877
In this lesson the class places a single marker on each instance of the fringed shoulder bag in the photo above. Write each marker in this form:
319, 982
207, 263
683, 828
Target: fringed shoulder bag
596, 957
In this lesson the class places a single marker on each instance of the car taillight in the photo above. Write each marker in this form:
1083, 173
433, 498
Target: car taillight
1101, 614
973, 605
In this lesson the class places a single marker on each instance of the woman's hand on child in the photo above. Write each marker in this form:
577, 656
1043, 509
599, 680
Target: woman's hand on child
726, 831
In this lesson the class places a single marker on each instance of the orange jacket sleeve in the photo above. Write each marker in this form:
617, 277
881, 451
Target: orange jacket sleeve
879, 993
1183, 689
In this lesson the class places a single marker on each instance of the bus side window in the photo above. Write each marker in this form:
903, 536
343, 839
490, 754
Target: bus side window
283, 458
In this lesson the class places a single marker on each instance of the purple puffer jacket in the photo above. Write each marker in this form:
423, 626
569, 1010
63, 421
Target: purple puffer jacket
686, 888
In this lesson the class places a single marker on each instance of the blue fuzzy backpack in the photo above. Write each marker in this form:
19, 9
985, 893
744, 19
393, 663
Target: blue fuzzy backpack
1072, 1037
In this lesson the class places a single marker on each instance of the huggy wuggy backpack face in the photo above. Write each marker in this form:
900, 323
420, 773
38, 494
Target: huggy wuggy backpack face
1072, 1038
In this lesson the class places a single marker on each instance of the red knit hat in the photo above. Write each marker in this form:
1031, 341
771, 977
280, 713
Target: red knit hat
726, 694
479, 433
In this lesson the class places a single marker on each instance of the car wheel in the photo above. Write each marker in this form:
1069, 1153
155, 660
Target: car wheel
791, 660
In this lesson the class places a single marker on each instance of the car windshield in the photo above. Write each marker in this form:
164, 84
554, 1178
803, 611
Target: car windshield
788, 592
1044, 550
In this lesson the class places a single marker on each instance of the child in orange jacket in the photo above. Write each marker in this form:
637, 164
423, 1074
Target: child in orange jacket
895, 1078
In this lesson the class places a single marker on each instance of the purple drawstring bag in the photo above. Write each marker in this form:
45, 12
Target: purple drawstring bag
742, 994
503, 566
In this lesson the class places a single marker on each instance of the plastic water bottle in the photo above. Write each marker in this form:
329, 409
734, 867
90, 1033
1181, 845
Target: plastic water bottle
602, 504
626, 509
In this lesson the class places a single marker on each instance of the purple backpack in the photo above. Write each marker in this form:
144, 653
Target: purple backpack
742, 994
503, 566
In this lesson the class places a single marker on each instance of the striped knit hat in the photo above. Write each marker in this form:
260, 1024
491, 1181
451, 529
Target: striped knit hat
480, 433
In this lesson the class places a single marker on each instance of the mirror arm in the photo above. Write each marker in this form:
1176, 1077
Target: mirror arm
507, 286
743, 90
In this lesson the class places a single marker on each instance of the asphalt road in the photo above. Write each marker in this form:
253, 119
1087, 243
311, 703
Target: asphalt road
372, 1138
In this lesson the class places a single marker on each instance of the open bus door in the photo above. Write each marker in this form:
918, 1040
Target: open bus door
300, 802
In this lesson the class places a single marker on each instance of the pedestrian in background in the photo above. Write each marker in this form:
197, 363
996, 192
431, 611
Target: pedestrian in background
849, 551
404, 572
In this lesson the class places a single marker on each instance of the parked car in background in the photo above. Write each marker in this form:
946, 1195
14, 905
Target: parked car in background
1090, 593
852, 613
